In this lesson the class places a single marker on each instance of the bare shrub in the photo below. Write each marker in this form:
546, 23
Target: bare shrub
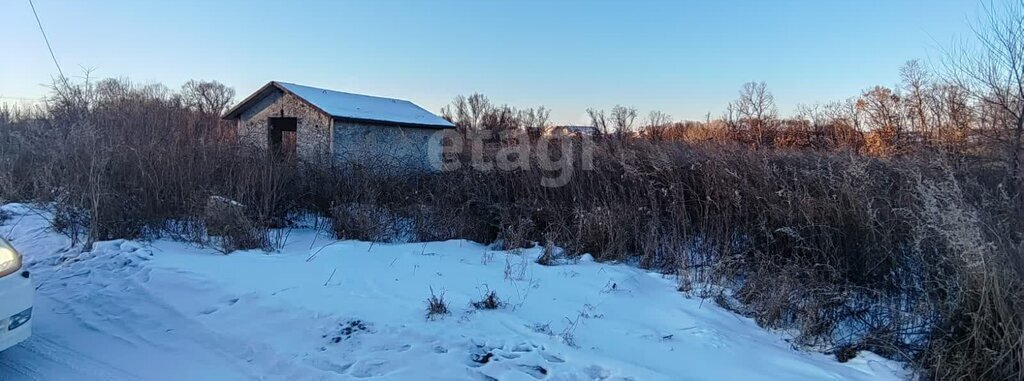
548, 255
914, 256
977, 267
513, 235
437, 307
243, 237
121, 160
490, 301
515, 265
230, 229
364, 222
568, 334
222, 215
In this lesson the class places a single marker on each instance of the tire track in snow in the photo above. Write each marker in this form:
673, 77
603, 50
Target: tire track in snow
42, 358
115, 314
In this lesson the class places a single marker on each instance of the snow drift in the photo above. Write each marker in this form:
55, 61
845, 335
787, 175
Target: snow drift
326, 309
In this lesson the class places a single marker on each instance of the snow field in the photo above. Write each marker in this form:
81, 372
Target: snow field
322, 309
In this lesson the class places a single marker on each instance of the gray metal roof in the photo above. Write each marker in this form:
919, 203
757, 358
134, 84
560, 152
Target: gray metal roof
349, 106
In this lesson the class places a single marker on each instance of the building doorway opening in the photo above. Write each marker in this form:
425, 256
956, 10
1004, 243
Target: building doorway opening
281, 137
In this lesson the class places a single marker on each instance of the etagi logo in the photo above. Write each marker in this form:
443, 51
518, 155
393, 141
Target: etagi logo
556, 156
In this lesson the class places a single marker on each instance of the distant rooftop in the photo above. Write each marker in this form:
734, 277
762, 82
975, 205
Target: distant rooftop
583, 130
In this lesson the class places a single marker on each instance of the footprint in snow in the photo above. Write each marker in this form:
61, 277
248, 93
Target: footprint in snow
213, 309
328, 366
370, 368
551, 358
709, 337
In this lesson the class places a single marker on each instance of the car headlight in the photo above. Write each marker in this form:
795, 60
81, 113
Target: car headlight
10, 260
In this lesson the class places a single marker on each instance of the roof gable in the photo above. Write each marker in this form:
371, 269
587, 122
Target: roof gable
351, 106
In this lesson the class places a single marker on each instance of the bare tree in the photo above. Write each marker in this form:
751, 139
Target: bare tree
535, 121
534, 118
69, 104
598, 120
622, 119
844, 125
207, 97
883, 112
479, 108
953, 117
467, 113
656, 124
477, 113
991, 70
729, 118
757, 112
916, 84
817, 122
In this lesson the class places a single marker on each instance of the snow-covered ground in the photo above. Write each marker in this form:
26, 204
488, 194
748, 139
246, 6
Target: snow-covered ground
326, 309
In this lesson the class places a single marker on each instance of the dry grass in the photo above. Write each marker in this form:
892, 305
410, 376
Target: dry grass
437, 307
490, 301
918, 258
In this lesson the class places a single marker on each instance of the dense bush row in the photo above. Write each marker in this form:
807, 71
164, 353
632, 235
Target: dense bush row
916, 257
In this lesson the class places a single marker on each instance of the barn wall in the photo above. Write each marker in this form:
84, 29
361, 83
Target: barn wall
313, 133
412, 148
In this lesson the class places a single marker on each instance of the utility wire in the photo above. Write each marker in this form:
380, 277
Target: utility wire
62, 77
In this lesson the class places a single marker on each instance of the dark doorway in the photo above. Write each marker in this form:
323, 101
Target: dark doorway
281, 136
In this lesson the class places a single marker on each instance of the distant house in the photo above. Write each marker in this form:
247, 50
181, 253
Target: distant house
315, 124
590, 131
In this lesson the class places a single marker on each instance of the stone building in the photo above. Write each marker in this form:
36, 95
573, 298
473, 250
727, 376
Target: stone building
316, 124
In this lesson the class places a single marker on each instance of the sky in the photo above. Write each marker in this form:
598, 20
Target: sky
686, 58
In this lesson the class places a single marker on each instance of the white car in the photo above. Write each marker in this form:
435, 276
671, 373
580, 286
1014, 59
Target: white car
16, 293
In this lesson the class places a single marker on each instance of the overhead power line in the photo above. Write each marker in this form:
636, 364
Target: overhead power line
47, 40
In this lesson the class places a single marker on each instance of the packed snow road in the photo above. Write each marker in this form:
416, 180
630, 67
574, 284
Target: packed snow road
322, 309
48, 357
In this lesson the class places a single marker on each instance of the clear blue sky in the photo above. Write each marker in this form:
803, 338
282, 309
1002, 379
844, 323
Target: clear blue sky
686, 58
